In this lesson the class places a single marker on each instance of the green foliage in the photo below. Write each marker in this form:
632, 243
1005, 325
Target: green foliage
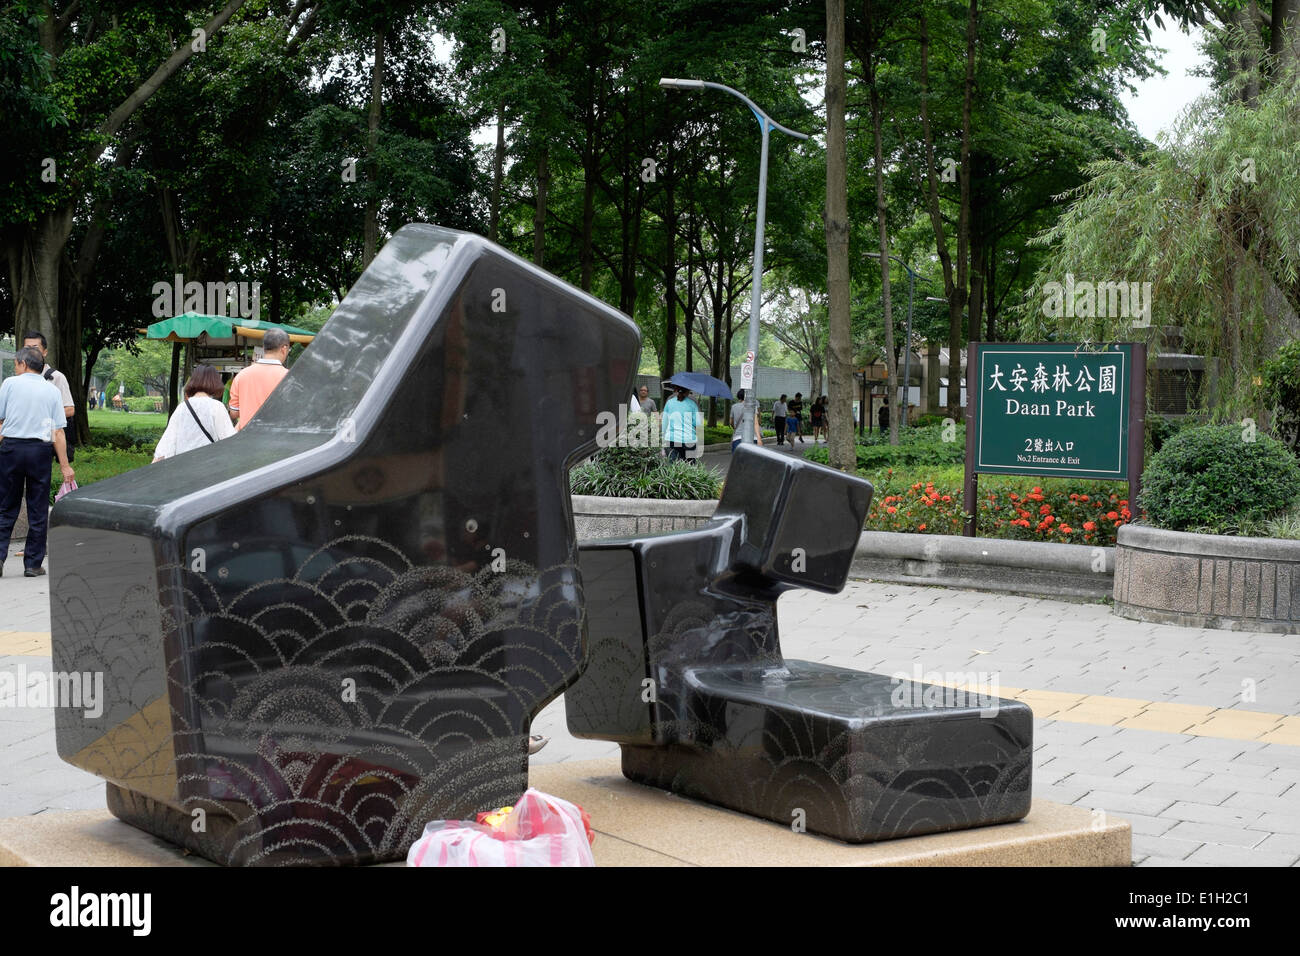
1216, 478
1160, 429
643, 472
1209, 220
1279, 390
127, 439
919, 445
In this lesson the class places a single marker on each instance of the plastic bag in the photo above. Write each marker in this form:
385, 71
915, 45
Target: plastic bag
541, 830
64, 488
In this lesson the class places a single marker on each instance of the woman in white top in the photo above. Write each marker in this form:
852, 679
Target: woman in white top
200, 420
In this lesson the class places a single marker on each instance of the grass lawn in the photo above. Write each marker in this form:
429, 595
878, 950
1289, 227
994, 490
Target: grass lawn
105, 419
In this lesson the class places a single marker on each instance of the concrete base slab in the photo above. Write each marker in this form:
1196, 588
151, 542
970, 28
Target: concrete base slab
641, 826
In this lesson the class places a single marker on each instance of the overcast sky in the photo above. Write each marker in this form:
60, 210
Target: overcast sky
1159, 99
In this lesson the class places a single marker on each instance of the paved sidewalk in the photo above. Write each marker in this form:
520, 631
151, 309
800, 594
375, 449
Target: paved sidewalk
1192, 735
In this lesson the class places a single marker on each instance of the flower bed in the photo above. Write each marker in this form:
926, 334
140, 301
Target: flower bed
1090, 515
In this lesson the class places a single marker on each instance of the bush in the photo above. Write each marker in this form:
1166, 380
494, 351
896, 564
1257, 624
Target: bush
916, 446
1212, 478
128, 439
1279, 390
1160, 429
642, 472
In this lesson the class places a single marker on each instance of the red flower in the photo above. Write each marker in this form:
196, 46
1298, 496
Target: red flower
1089, 526
1066, 529
921, 526
1045, 510
1111, 515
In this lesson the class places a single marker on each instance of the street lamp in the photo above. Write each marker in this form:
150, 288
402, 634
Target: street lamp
766, 124
907, 351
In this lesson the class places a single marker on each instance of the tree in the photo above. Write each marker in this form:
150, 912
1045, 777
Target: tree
839, 348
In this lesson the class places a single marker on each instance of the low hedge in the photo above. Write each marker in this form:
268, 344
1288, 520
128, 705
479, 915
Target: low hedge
1218, 479
643, 472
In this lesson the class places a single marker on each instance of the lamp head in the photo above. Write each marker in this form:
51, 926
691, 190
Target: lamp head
671, 83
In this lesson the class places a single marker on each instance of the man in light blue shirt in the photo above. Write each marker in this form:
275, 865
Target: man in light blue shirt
31, 434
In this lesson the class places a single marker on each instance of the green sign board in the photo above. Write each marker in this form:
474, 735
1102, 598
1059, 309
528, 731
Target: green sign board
1060, 410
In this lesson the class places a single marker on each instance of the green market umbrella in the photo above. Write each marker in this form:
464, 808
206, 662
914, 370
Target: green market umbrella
190, 325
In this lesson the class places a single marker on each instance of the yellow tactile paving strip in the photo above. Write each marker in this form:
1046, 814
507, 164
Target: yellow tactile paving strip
1224, 723
26, 643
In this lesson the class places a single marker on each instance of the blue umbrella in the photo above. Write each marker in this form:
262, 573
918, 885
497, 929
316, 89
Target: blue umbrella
701, 384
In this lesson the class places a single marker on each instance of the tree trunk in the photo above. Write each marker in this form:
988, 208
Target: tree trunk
839, 350
666, 366
371, 239
990, 286
498, 167
891, 361
978, 253
35, 255
960, 300
1284, 39
539, 211
936, 222
689, 315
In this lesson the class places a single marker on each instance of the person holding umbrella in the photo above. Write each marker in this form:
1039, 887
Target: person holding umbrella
681, 424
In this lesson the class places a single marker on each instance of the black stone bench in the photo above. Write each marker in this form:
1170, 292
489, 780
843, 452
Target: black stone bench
686, 673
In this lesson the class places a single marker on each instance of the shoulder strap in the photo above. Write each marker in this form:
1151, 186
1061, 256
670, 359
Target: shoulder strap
49, 373
206, 433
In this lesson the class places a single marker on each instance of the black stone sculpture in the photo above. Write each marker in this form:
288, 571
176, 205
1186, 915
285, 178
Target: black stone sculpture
685, 672
338, 624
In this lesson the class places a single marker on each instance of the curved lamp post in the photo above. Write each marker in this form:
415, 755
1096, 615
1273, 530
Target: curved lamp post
766, 124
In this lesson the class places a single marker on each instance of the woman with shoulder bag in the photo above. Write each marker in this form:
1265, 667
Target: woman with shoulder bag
200, 420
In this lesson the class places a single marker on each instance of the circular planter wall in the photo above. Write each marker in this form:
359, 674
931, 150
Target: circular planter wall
1206, 580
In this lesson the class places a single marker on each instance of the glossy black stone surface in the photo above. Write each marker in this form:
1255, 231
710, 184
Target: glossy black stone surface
686, 673
337, 625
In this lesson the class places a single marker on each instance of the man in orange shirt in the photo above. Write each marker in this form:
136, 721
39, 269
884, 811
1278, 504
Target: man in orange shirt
251, 386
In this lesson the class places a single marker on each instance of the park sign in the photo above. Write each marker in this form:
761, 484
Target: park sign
1055, 410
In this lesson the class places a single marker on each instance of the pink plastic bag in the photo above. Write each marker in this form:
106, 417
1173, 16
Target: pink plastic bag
64, 488
542, 830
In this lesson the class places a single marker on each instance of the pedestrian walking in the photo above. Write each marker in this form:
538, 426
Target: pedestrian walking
252, 385
200, 420
33, 339
817, 418
796, 417
681, 424
780, 411
31, 429
737, 419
